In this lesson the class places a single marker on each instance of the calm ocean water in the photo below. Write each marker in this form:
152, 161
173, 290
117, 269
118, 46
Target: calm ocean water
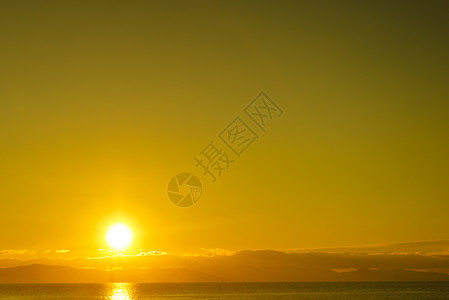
124, 291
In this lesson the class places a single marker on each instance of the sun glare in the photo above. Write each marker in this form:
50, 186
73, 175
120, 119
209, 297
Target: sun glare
119, 236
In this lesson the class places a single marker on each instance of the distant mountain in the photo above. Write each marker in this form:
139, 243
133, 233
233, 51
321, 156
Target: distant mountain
243, 266
12, 262
37, 273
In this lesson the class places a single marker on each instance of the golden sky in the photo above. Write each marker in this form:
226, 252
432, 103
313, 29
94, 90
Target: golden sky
103, 102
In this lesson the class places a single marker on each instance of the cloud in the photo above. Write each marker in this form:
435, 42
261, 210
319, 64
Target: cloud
264, 266
206, 252
419, 247
56, 251
218, 252
345, 270
16, 251
62, 251
152, 253
431, 270
389, 262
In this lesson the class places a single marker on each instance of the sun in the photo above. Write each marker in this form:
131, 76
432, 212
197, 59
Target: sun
119, 236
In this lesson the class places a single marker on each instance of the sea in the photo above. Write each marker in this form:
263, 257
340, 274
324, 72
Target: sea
284, 290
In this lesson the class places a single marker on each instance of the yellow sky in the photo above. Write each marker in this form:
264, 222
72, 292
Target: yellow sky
102, 102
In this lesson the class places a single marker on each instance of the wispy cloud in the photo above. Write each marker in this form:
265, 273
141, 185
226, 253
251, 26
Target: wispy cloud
266, 265
62, 251
345, 270
206, 252
56, 251
152, 253
400, 261
16, 251
419, 247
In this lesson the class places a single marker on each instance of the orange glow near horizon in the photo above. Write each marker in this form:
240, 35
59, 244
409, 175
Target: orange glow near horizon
133, 136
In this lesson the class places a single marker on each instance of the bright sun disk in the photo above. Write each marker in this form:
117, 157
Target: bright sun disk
119, 236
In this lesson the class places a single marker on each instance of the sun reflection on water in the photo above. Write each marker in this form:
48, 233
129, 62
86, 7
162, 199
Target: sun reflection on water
120, 291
